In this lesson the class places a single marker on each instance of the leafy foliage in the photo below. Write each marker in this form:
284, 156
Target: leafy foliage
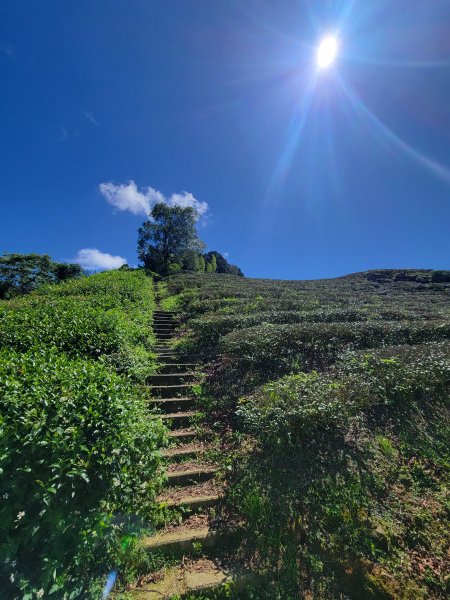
23, 273
167, 237
106, 316
221, 264
77, 444
79, 449
359, 454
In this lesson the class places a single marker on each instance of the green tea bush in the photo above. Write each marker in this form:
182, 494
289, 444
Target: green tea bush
252, 356
79, 451
206, 332
105, 316
77, 445
340, 474
340, 466
343, 483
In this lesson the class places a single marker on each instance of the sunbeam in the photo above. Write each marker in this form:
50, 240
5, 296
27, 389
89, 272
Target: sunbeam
292, 139
401, 64
439, 170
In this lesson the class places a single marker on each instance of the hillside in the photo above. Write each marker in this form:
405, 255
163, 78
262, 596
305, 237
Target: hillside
329, 403
210, 436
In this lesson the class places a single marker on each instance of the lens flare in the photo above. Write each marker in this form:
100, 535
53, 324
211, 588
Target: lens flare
110, 581
327, 52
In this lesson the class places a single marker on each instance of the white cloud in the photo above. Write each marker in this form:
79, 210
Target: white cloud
90, 117
94, 260
127, 196
187, 199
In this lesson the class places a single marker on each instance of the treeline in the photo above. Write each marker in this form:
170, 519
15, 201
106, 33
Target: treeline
210, 262
23, 273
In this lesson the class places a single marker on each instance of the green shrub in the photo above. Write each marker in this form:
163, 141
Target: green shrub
104, 316
249, 357
344, 477
77, 445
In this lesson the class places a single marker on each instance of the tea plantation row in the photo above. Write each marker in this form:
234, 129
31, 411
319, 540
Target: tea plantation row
78, 447
337, 392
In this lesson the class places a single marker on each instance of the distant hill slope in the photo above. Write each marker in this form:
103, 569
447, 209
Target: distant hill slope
414, 275
337, 394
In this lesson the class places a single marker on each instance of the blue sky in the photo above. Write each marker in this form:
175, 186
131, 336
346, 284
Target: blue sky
109, 105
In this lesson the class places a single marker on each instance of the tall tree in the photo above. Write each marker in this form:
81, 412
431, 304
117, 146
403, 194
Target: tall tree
200, 264
168, 235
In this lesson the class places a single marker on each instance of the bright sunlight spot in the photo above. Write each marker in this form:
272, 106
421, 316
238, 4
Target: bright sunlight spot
327, 52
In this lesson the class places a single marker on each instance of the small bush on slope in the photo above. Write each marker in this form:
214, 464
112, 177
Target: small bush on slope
76, 445
344, 484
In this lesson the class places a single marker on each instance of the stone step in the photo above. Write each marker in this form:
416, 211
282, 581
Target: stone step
195, 495
190, 475
199, 575
173, 405
179, 419
182, 435
180, 542
172, 378
194, 504
170, 391
176, 367
190, 450
164, 321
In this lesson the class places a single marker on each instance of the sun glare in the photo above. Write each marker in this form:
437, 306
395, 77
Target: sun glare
327, 52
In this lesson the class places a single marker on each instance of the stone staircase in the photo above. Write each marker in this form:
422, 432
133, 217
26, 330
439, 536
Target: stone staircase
191, 487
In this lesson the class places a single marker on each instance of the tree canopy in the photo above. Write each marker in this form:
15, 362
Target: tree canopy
167, 237
221, 264
23, 273
168, 242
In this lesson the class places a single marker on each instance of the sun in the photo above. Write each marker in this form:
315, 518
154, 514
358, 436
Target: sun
327, 52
